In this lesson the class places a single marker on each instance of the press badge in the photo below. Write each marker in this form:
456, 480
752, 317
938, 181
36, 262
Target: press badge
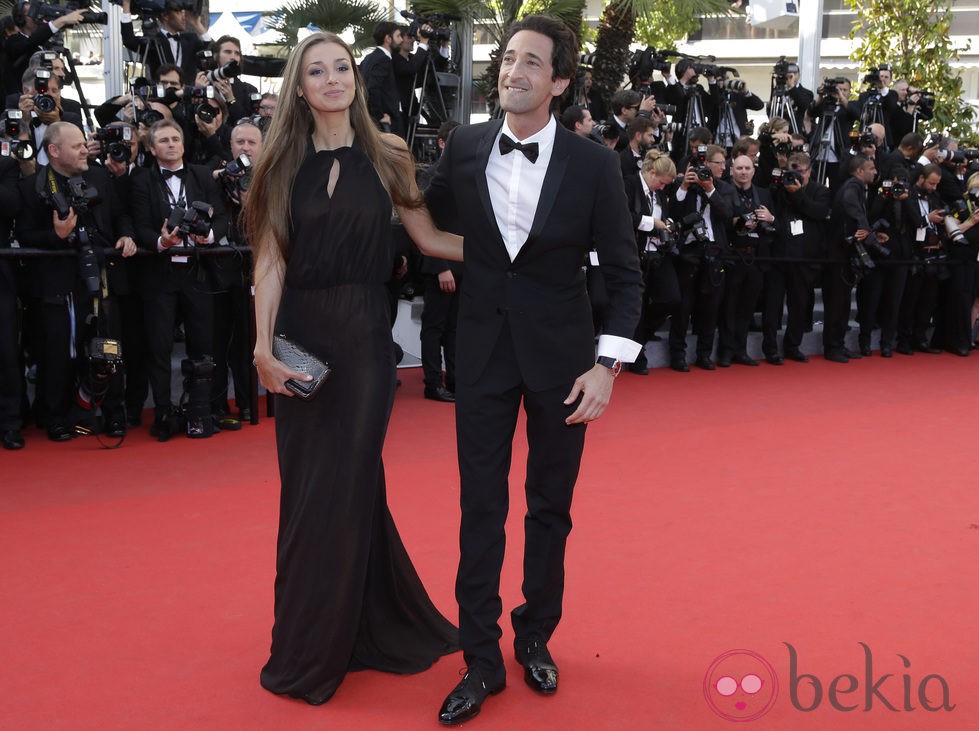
593, 258
795, 227
921, 234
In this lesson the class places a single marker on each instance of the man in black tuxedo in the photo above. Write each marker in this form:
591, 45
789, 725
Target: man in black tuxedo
531, 198
173, 282
377, 68
35, 122
11, 363
28, 39
800, 96
65, 303
236, 92
57, 68
171, 43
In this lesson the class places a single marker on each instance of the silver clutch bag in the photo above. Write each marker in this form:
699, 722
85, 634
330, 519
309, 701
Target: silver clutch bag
301, 360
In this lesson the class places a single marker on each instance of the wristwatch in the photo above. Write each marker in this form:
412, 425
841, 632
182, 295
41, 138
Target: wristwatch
613, 364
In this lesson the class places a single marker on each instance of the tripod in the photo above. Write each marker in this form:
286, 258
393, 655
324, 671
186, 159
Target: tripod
822, 147
782, 106
431, 101
727, 127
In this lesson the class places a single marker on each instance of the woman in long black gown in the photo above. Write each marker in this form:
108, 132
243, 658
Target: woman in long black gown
319, 213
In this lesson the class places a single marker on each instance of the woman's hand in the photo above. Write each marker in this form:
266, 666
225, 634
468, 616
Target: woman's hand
273, 373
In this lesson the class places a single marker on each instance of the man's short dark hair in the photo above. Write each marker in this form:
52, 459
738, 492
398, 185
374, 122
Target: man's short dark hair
564, 57
167, 68
638, 125
700, 135
573, 115
446, 129
225, 39
932, 168
857, 163
623, 99
382, 30
912, 141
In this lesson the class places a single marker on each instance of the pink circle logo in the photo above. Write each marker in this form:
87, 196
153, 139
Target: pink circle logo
740, 685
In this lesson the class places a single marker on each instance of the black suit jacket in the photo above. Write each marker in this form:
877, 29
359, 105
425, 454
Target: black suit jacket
10, 204
106, 222
382, 89
811, 205
157, 51
541, 294
17, 50
151, 207
849, 214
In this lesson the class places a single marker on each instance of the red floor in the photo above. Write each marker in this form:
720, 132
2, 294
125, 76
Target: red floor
800, 510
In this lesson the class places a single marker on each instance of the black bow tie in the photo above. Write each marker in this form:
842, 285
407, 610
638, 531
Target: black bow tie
507, 146
172, 36
167, 174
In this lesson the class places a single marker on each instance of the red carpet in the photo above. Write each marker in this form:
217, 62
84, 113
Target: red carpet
804, 509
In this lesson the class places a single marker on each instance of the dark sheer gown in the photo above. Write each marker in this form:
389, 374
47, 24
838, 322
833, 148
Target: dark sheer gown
346, 594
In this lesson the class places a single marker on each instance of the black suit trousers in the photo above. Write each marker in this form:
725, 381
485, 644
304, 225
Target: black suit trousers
789, 288
11, 362
438, 332
743, 282
917, 306
486, 419
879, 302
837, 299
700, 297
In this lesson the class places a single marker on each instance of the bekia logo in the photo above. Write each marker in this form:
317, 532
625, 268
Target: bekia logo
741, 685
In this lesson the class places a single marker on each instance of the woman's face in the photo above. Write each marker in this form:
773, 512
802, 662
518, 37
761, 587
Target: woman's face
327, 80
656, 182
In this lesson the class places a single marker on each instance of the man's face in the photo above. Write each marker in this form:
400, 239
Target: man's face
586, 125
885, 77
267, 107
246, 139
526, 83
804, 172
175, 20
930, 184
844, 89
646, 139
393, 41
716, 163
867, 172
901, 89
407, 43
629, 113
587, 82
168, 147
170, 80
742, 171
791, 79
69, 156
228, 52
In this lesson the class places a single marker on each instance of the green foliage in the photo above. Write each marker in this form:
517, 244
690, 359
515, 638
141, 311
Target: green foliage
913, 37
336, 16
665, 23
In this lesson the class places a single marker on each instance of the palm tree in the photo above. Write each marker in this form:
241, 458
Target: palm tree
336, 16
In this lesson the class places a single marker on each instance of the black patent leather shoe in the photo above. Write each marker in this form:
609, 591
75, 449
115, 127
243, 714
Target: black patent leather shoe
723, 361
834, 356
116, 428
865, 351
851, 355
639, 368
679, 365
440, 393
886, 353
59, 433
162, 428
797, 355
905, 349
705, 363
961, 352
540, 672
744, 360
466, 699
13, 439
926, 348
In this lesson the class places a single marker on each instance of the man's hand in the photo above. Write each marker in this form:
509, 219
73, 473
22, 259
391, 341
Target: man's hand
648, 104
170, 238
861, 234
69, 19
936, 216
595, 389
209, 129
689, 178
447, 282
127, 245
63, 228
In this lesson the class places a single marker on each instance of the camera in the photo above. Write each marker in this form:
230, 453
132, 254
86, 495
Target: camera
780, 73
782, 177
43, 13
732, 84
893, 188
694, 228
205, 61
104, 357
237, 176
861, 258
952, 229
116, 143
438, 22
872, 77
859, 140
81, 197
741, 224
44, 102
701, 168
195, 402
10, 145
193, 221
606, 131
647, 60
198, 98
671, 126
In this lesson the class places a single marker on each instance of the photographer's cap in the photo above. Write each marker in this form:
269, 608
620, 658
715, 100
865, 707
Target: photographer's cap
792, 68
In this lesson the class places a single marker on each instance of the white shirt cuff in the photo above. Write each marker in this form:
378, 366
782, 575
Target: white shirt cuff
646, 223
619, 348
681, 194
159, 244
125, 18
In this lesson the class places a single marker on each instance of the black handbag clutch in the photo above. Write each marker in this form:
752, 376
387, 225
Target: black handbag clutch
301, 360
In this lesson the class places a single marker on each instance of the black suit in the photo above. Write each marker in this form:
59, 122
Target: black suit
157, 50
382, 90
849, 215
169, 284
60, 294
11, 363
880, 291
921, 291
18, 49
525, 333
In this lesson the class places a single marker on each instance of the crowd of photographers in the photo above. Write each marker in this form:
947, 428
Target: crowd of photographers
736, 230
166, 167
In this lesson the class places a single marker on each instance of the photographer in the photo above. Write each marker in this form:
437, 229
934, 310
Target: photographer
28, 39
627, 105
793, 90
170, 43
650, 208
732, 99
849, 229
832, 119
925, 214
203, 116
578, 120
377, 68
954, 324
694, 106
878, 102
232, 275
49, 61
881, 288
69, 205
46, 92
11, 362
700, 272
904, 159
175, 283
226, 77
642, 138
750, 233
802, 207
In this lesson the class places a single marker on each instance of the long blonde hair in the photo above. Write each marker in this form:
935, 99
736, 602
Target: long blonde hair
267, 213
